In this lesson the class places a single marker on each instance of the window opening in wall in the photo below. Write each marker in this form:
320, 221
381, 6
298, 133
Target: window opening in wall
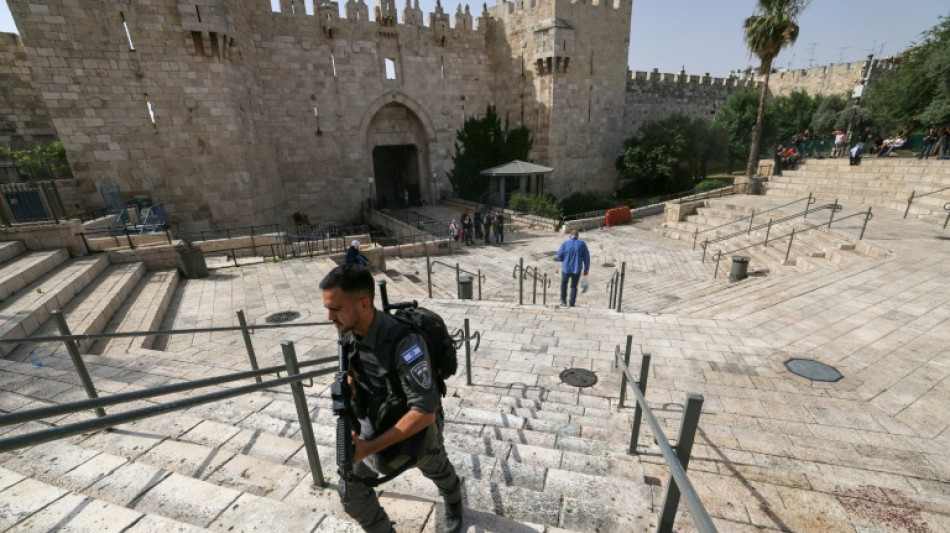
197, 38
128, 35
275, 6
215, 49
333, 64
151, 114
293, 8
390, 69
198, 11
442, 66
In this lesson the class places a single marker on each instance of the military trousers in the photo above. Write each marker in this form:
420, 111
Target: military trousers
363, 504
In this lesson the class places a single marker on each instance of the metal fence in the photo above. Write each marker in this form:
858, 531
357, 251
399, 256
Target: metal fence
30, 202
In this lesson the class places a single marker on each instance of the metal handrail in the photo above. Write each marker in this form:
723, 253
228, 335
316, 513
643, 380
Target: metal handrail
810, 201
913, 194
677, 460
430, 268
835, 207
867, 214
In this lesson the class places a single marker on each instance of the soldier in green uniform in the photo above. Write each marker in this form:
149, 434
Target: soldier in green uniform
395, 397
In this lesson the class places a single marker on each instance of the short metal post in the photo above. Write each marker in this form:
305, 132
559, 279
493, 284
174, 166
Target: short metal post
544, 290
623, 375
303, 414
73, 351
521, 281
808, 205
534, 286
247, 342
867, 217
684, 447
479, 284
468, 355
718, 257
429, 273
751, 219
458, 287
623, 274
767, 231
790, 239
910, 200
833, 207
638, 412
612, 290
234, 257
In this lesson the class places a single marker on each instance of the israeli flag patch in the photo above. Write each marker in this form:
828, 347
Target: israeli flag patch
412, 354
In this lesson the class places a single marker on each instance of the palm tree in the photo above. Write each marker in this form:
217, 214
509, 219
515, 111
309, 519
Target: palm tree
767, 32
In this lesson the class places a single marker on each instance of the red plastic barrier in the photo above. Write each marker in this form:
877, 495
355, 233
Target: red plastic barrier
618, 217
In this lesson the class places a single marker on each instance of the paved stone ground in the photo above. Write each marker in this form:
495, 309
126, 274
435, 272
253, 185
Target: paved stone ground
775, 451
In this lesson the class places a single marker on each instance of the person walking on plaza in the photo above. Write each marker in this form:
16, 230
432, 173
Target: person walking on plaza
488, 224
395, 426
467, 229
500, 228
575, 260
477, 222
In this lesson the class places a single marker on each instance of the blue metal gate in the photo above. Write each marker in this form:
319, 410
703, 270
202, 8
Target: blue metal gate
26, 206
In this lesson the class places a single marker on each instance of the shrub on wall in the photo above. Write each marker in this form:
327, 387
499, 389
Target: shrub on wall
583, 202
541, 205
709, 185
40, 162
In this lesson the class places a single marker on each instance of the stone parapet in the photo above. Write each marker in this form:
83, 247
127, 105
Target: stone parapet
47, 236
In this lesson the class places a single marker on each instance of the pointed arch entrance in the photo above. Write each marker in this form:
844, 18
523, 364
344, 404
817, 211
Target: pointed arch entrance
396, 138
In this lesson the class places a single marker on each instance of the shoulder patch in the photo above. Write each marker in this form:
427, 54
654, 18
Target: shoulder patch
420, 373
412, 354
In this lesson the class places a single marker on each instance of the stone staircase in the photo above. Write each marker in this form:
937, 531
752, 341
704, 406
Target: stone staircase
882, 182
812, 248
774, 452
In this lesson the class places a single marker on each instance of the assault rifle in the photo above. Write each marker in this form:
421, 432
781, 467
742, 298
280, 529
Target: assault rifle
342, 396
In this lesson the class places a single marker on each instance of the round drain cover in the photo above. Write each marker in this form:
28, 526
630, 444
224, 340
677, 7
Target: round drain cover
578, 377
813, 370
281, 317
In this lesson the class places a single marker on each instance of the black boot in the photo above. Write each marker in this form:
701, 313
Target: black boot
453, 517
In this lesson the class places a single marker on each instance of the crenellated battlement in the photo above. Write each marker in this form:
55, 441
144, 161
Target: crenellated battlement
655, 76
385, 13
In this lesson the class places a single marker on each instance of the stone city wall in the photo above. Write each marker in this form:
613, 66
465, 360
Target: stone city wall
24, 120
838, 79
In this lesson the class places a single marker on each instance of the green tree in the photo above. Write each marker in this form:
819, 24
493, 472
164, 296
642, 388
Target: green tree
737, 119
483, 143
790, 115
767, 32
919, 93
668, 155
831, 115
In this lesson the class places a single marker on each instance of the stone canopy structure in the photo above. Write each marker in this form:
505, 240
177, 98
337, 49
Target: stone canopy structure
233, 113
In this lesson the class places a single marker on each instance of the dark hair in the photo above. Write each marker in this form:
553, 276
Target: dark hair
351, 279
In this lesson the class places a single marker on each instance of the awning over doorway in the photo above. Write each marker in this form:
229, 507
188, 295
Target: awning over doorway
517, 168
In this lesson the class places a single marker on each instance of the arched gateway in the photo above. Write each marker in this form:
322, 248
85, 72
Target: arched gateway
397, 141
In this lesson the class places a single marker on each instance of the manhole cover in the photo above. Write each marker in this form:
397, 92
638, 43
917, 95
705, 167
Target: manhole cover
813, 370
578, 377
281, 317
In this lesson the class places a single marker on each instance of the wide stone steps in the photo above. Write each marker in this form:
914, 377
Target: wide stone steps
11, 249
250, 415
32, 306
33, 505
19, 272
90, 310
143, 310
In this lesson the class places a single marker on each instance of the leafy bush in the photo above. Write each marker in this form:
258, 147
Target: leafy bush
40, 162
708, 185
535, 204
482, 143
583, 202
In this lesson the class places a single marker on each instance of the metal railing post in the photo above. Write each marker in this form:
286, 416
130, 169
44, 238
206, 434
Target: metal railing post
247, 342
767, 231
534, 286
623, 375
684, 447
303, 414
808, 205
429, 273
718, 257
910, 200
751, 219
458, 286
638, 412
544, 290
623, 275
73, 351
832, 219
789, 249
128, 237
234, 256
479, 271
865, 226
521, 281
946, 207
468, 355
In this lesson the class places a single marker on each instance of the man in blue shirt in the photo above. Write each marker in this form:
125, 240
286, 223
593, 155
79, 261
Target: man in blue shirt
575, 259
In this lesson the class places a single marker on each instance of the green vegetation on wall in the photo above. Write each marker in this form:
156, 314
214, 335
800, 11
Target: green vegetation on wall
40, 162
483, 143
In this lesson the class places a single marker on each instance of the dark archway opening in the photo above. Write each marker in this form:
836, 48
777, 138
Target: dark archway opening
396, 169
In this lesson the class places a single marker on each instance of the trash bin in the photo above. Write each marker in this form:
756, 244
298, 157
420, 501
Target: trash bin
192, 262
465, 287
740, 268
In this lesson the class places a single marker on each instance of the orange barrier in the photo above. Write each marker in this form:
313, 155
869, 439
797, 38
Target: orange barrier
618, 217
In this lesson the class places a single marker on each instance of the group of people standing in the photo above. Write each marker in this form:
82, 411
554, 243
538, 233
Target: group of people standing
490, 226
